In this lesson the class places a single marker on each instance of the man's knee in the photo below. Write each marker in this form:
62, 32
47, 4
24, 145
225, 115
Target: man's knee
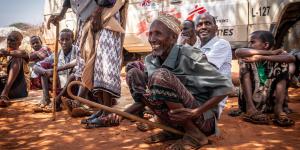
161, 74
135, 75
136, 64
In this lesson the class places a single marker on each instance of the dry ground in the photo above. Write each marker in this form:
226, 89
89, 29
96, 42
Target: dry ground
21, 129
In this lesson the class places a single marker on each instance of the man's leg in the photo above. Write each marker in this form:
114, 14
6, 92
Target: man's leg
281, 118
45, 86
247, 91
136, 81
168, 93
279, 97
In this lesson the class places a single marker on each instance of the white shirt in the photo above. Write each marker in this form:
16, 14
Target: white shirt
181, 39
218, 52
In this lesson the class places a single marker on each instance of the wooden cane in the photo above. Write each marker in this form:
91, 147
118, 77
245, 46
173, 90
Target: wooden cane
54, 85
118, 112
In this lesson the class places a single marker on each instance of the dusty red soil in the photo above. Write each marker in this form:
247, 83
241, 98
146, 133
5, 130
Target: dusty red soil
21, 129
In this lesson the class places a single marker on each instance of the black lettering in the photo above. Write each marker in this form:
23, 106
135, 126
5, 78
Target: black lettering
225, 32
230, 32
253, 15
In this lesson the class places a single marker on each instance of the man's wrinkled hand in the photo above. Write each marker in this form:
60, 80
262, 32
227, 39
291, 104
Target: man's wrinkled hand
48, 73
54, 19
96, 19
182, 114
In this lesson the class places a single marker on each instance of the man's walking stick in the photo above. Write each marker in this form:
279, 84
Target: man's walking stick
54, 85
118, 112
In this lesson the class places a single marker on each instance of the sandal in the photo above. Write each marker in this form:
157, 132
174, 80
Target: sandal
161, 137
283, 120
256, 118
100, 122
70, 104
148, 114
235, 113
42, 108
287, 110
143, 127
186, 143
90, 118
80, 112
4, 101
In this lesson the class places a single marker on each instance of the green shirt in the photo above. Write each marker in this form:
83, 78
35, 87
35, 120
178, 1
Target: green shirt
191, 67
261, 72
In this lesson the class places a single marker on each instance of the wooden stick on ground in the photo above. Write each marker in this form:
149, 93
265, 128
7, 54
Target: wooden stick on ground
54, 85
118, 112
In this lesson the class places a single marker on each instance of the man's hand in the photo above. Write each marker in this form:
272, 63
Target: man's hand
96, 19
254, 58
3, 52
48, 72
183, 114
54, 19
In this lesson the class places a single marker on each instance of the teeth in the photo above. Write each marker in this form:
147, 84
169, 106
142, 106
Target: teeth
155, 46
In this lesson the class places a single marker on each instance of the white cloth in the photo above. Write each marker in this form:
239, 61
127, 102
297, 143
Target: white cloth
219, 53
180, 41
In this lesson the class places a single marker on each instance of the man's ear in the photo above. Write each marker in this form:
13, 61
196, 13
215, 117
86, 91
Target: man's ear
174, 37
267, 45
216, 29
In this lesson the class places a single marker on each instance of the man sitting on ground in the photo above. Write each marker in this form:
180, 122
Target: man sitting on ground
66, 63
16, 85
263, 78
184, 88
40, 53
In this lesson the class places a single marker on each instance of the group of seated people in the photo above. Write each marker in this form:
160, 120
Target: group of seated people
185, 81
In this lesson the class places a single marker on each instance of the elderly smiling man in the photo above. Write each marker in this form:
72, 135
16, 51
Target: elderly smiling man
184, 89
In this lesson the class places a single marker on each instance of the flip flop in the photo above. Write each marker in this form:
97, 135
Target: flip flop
99, 122
144, 127
257, 118
235, 113
161, 137
90, 118
186, 143
80, 112
283, 121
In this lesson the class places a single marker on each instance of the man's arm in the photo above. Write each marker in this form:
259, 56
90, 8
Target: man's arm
33, 56
14, 53
283, 58
55, 19
219, 53
183, 114
248, 52
67, 66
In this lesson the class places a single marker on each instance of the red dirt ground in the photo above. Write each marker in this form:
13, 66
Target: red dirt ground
21, 129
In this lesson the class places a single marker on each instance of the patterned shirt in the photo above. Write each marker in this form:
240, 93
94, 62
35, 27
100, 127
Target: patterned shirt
42, 53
